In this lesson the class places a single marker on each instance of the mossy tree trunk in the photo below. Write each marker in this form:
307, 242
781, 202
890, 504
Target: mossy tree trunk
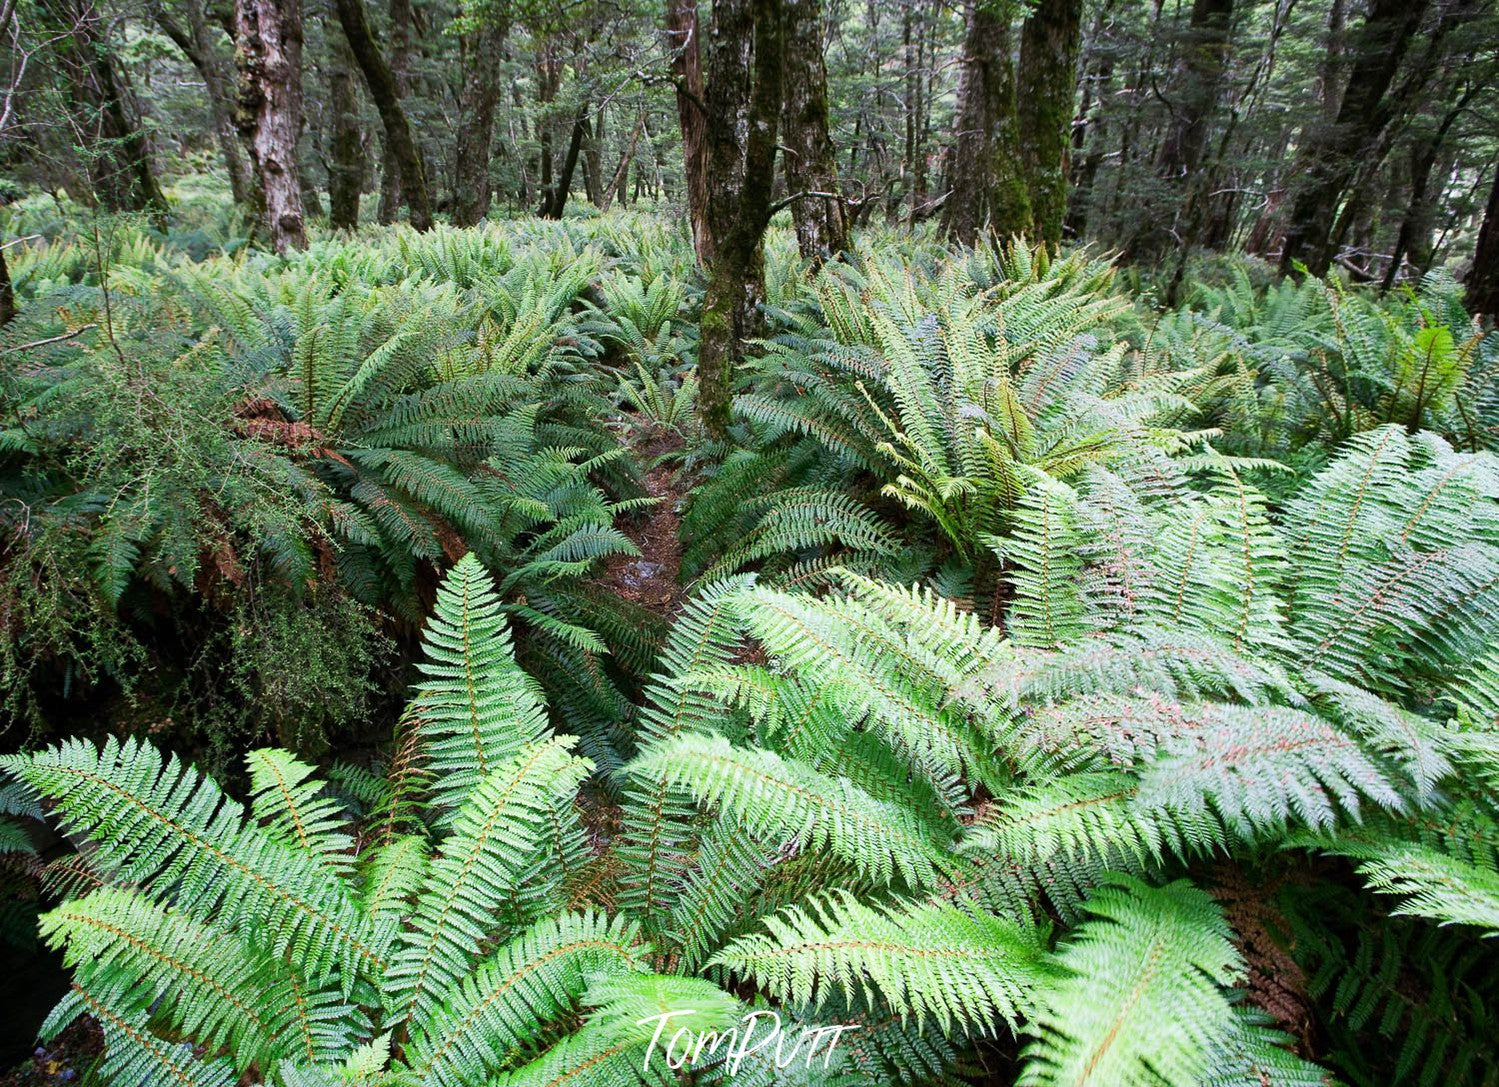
399, 57
268, 54
346, 144
986, 184
744, 97
191, 35
809, 165
1047, 84
119, 155
387, 98
480, 51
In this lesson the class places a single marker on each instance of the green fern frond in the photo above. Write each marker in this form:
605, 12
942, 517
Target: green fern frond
932, 961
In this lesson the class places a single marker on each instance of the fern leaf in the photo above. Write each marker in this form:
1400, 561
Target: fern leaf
932, 961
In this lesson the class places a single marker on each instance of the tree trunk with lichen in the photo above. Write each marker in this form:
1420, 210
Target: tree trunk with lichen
1046, 86
987, 182
744, 97
268, 55
683, 34
399, 57
821, 227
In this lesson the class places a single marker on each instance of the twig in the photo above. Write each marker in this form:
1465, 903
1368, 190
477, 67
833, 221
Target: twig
786, 203
49, 339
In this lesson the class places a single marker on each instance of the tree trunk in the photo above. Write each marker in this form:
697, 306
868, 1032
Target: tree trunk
621, 175
1047, 89
7, 293
687, 72
1088, 136
809, 163
1333, 156
1207, 45
217, 74
1482, 290
119, 155
593, 161
744, 98
1331, 74
548, 83
986, 185
1419, 220
557, 201
346, 150
480, 52
268, 50
400, 70
387, 98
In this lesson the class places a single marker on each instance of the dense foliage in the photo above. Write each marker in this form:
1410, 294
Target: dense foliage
1059, 690
967, 532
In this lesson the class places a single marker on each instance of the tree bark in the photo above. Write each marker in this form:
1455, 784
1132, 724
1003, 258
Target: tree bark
1416, 225
1481, 294
217, 74
744, 98
687, 72
268, 50
557, 200
401, 18
1207, 45
119, 158
480, 51
1047, 89
593, 160
387, 98
346, 146
986, 185
7, 293
809, 163
1332, 158
619, 183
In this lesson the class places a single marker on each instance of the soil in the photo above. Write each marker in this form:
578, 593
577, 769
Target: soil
67, 1060
652, 578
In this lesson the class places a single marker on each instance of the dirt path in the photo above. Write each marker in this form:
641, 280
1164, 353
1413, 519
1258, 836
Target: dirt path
652, 578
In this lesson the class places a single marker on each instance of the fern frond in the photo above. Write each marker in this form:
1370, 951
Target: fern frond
1142, 1001
498, 1010
480, 873
162, 826
932, 961
787, 801
476, 709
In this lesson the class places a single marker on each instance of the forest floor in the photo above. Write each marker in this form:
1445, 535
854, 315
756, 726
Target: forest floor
652, 579
66, 1060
